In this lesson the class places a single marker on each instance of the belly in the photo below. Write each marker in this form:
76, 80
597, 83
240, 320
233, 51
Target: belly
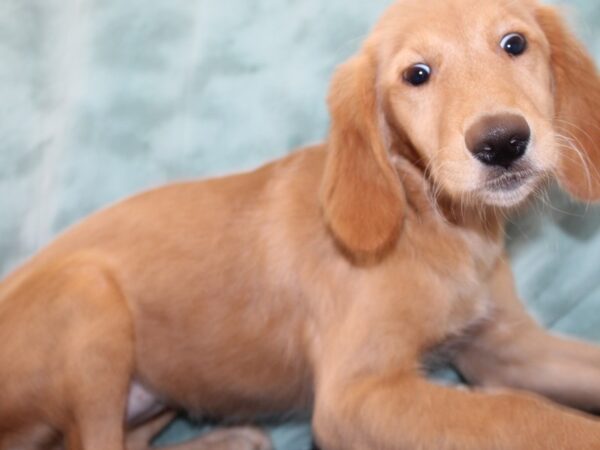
247, 385
223, 361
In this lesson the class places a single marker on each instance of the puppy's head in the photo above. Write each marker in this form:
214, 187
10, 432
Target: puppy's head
487, 96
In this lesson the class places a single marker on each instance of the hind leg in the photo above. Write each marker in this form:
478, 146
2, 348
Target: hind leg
234, 438
97, 372
97, 338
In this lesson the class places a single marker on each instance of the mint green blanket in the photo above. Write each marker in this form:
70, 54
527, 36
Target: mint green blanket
100, 99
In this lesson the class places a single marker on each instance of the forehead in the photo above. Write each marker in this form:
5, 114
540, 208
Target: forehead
410, 21
458, 11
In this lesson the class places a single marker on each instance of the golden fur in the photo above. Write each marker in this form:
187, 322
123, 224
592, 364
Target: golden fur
323, 280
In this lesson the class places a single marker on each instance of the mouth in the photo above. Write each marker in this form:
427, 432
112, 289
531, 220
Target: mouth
509, 181
509, 188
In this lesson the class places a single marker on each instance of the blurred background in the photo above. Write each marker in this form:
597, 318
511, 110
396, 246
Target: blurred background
100, 99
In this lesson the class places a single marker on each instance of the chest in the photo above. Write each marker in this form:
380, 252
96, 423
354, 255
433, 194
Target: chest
456, 269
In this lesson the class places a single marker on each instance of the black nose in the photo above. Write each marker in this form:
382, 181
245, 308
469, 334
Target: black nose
499, 140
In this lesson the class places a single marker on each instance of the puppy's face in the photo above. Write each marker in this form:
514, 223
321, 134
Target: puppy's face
470, 84
492, 95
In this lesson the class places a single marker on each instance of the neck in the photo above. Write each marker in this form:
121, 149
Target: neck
479, 218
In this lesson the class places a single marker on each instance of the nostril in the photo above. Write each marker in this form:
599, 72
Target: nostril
519, 145
486, 153
519, 141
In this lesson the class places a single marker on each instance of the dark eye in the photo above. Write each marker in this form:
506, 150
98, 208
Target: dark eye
417, 75
514, 44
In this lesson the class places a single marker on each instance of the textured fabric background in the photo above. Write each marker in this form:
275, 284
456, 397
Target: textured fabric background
100, 99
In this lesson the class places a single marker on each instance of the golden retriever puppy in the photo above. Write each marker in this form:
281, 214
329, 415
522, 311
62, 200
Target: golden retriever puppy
323, 279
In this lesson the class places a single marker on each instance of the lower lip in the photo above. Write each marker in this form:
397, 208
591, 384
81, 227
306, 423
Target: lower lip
510, 183
509, 193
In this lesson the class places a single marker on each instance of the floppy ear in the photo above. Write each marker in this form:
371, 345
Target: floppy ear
577, 107
362, 196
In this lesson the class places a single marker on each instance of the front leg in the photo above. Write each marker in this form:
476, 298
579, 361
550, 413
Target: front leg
401, 411
370, 394
512, 350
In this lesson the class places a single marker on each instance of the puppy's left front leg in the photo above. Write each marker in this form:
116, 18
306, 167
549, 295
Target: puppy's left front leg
512, 350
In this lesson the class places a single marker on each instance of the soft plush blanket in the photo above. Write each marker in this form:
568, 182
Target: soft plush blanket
102, 98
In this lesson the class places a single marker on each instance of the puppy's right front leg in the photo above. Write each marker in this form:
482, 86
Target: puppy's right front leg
401, 411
